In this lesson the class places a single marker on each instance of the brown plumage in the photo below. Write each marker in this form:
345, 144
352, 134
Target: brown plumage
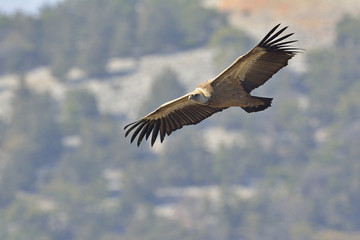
230, 89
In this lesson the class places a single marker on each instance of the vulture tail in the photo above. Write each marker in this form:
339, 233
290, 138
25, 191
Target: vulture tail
264, 103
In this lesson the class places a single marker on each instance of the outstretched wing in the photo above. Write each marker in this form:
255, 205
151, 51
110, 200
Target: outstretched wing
258, 65
169, 117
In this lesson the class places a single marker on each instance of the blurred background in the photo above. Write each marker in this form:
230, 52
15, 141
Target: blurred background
73, 73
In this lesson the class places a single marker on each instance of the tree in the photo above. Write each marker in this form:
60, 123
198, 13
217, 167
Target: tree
347, 31
157, 26
337, 79
165, 87
185, 160
60, 28
79, 105
33, 141
19, 43
231, 44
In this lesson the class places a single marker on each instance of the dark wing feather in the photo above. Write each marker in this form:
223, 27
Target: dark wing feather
258, 65
169, 117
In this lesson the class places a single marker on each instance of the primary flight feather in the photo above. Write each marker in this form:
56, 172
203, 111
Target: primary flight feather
231, 88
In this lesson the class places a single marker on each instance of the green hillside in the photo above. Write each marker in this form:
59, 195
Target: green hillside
67, 171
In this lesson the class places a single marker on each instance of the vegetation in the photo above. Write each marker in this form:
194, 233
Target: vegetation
165, 87
66, 171
86, 34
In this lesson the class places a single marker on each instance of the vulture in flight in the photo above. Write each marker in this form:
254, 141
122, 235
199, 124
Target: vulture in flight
231, 88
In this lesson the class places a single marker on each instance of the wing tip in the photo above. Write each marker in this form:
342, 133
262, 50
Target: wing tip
134, 125
272, 41
165, 125
146, 127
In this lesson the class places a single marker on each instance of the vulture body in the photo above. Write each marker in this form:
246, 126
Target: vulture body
231, 88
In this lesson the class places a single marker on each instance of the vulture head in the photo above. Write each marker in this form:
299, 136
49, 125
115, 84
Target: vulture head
199, 95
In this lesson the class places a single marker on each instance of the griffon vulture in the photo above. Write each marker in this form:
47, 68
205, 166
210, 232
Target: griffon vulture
231, 88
